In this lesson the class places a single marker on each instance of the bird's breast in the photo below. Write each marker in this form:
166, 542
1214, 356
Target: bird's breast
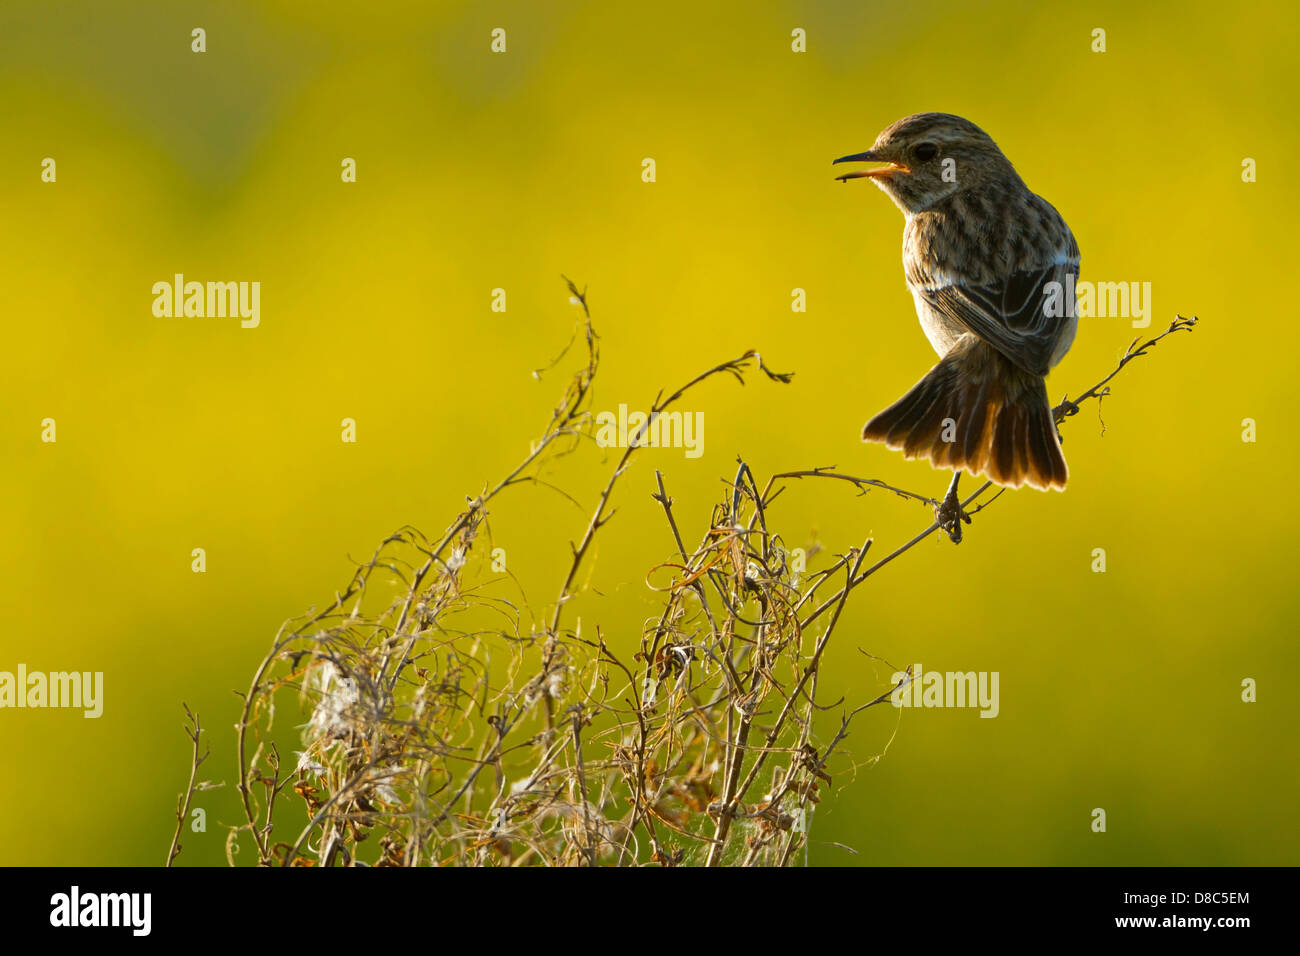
942, 331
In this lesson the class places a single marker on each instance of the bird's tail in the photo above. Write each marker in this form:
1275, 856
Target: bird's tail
977, 412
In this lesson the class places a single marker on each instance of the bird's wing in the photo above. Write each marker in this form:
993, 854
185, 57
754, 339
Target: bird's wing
1014, 313
987, 264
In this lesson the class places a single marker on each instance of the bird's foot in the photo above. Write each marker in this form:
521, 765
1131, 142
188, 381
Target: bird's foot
949, 514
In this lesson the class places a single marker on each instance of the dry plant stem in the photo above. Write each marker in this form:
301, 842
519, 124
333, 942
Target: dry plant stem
357, 585
597, 520
698, 586
562, 419
193, 731
864, 485
809, 671
821, 763
662, 752
600, 515
808, 676
261, 834
582, 786
1100, 391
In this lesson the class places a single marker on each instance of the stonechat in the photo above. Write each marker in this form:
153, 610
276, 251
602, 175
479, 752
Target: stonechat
979, 253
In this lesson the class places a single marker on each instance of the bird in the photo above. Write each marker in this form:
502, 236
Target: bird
986, 261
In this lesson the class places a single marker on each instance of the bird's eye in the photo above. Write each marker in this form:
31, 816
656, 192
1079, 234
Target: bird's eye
926, 151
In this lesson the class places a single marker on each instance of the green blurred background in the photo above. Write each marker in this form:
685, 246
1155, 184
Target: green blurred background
479, 170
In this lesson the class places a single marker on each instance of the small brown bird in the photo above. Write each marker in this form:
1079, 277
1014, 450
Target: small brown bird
979, 253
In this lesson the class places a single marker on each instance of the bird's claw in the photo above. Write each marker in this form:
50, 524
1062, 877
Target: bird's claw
949, 515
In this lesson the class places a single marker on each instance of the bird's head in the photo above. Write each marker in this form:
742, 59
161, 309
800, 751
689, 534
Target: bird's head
928, 156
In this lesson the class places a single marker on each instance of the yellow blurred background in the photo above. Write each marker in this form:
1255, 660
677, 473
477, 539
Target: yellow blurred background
479, 170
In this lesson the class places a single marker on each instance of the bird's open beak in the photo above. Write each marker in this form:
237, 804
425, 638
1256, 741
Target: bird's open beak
870, 156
